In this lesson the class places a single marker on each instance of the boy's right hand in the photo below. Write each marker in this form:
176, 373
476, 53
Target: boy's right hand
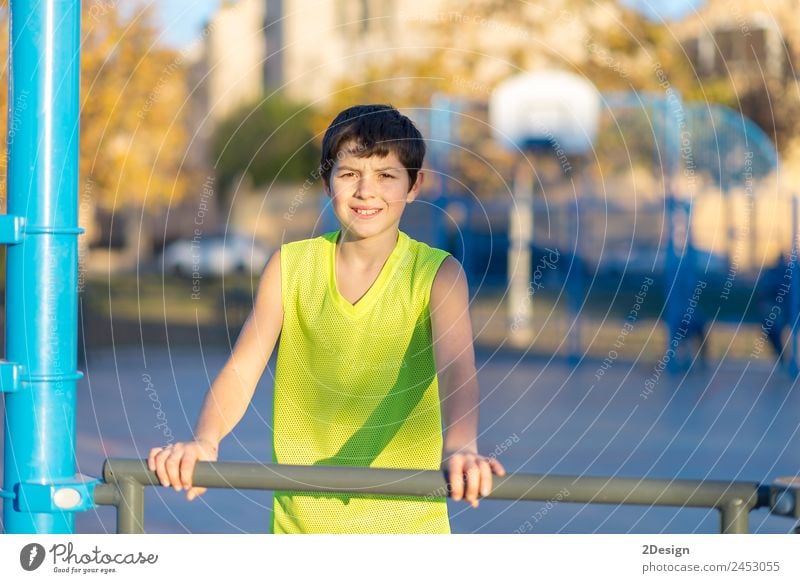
174, 464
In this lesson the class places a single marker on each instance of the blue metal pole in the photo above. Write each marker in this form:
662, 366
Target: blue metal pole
794, 293
439, 140
674, 271
41, 299
574, 287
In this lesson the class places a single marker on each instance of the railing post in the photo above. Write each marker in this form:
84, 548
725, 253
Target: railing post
130, 510
734, 518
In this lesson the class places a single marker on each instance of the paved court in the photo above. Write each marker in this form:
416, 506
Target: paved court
735, 421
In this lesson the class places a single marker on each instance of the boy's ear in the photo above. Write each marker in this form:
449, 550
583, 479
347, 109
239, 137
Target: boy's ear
326, 187
415, 188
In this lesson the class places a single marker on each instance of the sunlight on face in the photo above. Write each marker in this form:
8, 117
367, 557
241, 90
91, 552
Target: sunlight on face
369, 194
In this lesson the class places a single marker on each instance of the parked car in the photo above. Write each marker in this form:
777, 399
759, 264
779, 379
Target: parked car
215, 255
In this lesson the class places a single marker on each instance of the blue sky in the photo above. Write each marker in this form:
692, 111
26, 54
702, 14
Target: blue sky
664, 9
183, 19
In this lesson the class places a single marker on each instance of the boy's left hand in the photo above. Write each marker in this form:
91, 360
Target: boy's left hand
470, 474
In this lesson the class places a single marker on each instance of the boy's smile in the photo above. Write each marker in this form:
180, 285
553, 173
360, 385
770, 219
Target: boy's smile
365, 213
369, 194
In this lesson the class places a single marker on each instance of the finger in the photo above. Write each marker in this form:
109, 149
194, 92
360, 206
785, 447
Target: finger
187, 468
151, 459
486, 476
455, 468
161, 469
473, 474
497, 467
194, 493
172, 466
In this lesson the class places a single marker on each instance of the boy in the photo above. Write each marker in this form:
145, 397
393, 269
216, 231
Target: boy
373, 325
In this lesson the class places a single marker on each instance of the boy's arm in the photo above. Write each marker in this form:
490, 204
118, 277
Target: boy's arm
458, 385
232, 390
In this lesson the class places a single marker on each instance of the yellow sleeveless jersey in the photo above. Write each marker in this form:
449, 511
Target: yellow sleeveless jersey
355, 385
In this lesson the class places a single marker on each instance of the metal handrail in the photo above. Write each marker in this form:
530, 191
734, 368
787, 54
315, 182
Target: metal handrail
125, 480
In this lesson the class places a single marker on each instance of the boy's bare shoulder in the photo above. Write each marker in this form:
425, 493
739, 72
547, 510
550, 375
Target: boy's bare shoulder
450, 279
449, 271
274, 259
271, 276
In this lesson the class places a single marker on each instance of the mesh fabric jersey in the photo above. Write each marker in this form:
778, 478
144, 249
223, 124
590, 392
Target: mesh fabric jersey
355, 385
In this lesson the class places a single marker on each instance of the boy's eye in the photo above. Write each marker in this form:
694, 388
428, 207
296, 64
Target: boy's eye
347, 174
386, 175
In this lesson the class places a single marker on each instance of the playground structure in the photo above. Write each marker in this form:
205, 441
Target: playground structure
685, 193
126, 480
41, 492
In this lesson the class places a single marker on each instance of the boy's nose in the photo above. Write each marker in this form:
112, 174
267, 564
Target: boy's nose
364, 189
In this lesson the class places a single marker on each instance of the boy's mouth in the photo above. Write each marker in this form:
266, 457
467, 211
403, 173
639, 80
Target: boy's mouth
365, 213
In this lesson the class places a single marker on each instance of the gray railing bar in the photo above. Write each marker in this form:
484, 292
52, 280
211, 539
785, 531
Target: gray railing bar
106, 495
431, 483
733, 499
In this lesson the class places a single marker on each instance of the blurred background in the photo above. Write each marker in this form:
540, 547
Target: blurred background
634, 303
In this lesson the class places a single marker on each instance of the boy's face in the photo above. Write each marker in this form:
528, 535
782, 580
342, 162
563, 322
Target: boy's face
369, 195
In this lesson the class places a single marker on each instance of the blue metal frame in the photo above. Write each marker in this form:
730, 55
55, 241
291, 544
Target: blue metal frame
715, 131
794, 295
42, 231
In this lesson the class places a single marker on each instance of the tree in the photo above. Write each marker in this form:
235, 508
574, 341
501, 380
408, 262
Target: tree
270, 140
133, 95
619, 49
133, 117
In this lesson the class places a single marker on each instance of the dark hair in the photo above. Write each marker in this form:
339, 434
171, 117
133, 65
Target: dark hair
373, 130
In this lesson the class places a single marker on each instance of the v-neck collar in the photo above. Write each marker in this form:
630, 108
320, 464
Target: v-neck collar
375, 290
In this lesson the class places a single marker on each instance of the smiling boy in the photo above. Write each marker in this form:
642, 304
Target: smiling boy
375, 346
